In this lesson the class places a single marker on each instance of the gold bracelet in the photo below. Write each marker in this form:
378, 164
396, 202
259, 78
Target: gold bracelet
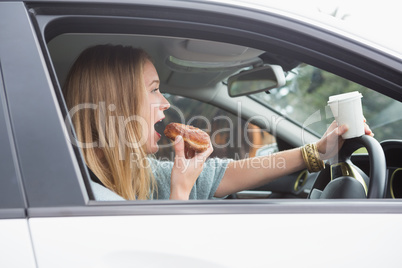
312, 158
320, 163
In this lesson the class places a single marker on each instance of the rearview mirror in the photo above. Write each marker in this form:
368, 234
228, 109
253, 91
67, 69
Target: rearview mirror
256, 80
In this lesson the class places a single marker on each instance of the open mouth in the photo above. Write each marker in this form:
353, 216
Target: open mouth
159, 127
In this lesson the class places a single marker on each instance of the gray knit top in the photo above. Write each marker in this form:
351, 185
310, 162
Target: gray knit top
204, 187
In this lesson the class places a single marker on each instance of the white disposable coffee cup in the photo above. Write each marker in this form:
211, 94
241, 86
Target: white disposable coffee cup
347, 109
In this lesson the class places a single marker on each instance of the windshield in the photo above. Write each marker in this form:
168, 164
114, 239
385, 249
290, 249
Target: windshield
304, 100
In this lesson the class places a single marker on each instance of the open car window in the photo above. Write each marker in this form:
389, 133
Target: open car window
194, 68
301, 102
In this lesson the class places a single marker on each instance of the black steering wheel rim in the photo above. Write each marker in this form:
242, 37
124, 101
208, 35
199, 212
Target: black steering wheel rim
378, 168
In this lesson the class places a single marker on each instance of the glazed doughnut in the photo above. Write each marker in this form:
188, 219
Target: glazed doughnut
195, 140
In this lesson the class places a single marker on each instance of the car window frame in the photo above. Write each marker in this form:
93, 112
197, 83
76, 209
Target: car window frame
41, 16
12, 198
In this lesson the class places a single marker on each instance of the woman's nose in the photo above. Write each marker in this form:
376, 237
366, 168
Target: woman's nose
164, 104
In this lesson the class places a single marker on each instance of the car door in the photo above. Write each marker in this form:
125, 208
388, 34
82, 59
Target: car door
24, 125
67, 228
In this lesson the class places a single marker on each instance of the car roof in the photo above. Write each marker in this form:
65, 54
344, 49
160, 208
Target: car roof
376, 24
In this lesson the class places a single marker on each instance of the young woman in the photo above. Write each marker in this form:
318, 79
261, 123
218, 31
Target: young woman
112, 93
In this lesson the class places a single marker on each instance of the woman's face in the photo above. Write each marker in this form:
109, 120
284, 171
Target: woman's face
154, 105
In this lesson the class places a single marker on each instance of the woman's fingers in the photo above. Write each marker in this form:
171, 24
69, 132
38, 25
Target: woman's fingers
207, 152
333, 126
368, 131
179, 146
342, 130
331, 141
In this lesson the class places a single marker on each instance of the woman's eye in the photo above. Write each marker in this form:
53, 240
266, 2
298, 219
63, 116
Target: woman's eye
154, 90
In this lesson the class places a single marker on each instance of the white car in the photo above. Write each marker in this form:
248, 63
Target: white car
48, 215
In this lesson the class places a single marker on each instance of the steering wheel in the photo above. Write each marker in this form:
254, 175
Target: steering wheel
342, 179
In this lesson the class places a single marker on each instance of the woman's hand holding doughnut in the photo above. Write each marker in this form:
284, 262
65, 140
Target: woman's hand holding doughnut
192, 148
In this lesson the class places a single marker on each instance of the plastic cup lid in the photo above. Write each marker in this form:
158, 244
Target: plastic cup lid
345, 97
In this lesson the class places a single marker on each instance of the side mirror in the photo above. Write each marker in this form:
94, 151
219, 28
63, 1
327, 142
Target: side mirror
256, 80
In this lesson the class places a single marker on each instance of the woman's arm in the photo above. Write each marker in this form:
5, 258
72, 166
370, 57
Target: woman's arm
253, 172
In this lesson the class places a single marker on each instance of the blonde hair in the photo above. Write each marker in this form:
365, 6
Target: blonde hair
110, 78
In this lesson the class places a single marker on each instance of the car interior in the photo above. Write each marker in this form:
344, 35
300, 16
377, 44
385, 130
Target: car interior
195, 74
